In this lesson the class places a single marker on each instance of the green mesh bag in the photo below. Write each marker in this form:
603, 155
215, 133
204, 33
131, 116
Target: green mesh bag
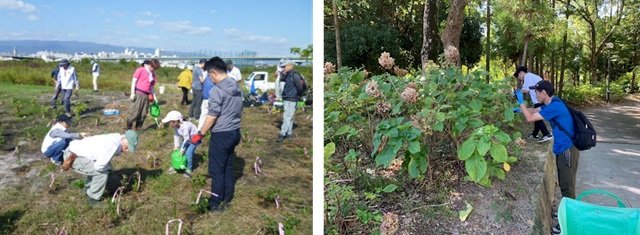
578, 217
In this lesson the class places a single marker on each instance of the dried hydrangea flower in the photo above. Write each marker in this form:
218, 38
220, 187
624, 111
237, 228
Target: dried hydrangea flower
383, 108
372, 89
390, 224
409, 95
399, 72
413, 85
386, 61
329, 68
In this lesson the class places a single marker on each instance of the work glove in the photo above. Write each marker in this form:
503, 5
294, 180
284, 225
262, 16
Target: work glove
150, 98
132, 97
197, 138
518, 94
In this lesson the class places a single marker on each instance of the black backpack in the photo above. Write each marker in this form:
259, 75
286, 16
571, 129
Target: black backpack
301, 88
584, 136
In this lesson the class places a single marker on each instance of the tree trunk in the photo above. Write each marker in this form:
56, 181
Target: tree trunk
552, 73
524, 51
337, 30
594, 53
488, 50
564, 52
429, 32
453, 29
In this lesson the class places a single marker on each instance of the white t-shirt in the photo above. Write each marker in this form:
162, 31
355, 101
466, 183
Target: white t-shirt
235, 74
530, 79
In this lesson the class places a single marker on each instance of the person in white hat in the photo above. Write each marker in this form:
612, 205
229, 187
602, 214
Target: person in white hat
184, 130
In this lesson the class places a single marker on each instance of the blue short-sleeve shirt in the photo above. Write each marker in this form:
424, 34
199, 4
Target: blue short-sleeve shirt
557, 113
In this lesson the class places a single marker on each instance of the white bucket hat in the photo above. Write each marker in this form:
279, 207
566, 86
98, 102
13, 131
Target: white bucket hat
172, 116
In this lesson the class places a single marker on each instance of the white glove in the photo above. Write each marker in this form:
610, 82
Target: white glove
132, 97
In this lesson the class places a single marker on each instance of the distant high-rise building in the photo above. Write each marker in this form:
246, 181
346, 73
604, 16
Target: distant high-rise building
157, 53
15, 52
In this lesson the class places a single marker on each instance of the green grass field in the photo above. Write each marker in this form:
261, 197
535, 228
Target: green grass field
33, 208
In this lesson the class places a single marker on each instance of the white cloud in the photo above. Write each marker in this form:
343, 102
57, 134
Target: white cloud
243, 36
17, 5
143, 23
148, 13
185, 26
33, 18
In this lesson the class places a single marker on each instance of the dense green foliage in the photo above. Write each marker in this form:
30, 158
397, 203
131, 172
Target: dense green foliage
413, 120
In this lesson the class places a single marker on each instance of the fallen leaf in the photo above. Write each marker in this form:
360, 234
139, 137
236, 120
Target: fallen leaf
506, 167
465, 213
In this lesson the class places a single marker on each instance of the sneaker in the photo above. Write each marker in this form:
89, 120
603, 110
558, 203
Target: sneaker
533, 137
545, 138
281, 138
187, 173
94, 203
171, 171
554, 215
556, 230
57, 163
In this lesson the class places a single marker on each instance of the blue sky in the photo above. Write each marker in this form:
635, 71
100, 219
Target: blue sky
269, 27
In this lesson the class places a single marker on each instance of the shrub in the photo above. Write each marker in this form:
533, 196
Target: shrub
413, 116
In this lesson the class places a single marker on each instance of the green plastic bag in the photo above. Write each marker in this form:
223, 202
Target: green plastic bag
154, 109
178, 161
578, 217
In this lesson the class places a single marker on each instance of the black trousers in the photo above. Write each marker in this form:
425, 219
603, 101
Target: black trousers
539, 126
185, 97
222, 146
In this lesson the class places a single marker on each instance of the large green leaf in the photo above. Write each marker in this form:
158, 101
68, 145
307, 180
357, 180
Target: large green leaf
475, 105
483, 146
508, 115
388, 154
413, 168
414, 147
503, 137
466, 150
499, 153
390, 188
344, 129
329, 150
476, 167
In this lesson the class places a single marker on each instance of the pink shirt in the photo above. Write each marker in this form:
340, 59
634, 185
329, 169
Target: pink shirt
143, 84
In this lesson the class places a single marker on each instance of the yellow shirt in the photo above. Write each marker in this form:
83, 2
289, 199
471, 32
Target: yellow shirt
184, 79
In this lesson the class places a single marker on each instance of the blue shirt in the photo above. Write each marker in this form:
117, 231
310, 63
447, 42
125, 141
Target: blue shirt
195, 83
206, 87
557, 113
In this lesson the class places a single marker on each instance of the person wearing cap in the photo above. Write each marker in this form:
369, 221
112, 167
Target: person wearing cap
95, 71
528, 79
184, 83
223, 121
196, 87
183, 131
142, 93
290, 97
92, 156
58, 138
555, 112
233, 71
66, 79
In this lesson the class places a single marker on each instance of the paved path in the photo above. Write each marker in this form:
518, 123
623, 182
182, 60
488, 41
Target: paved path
614, 164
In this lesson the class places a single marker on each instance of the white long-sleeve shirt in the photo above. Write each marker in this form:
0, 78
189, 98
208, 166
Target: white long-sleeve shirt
183, 134
67, 77
57, 133
235, 74
99, 148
